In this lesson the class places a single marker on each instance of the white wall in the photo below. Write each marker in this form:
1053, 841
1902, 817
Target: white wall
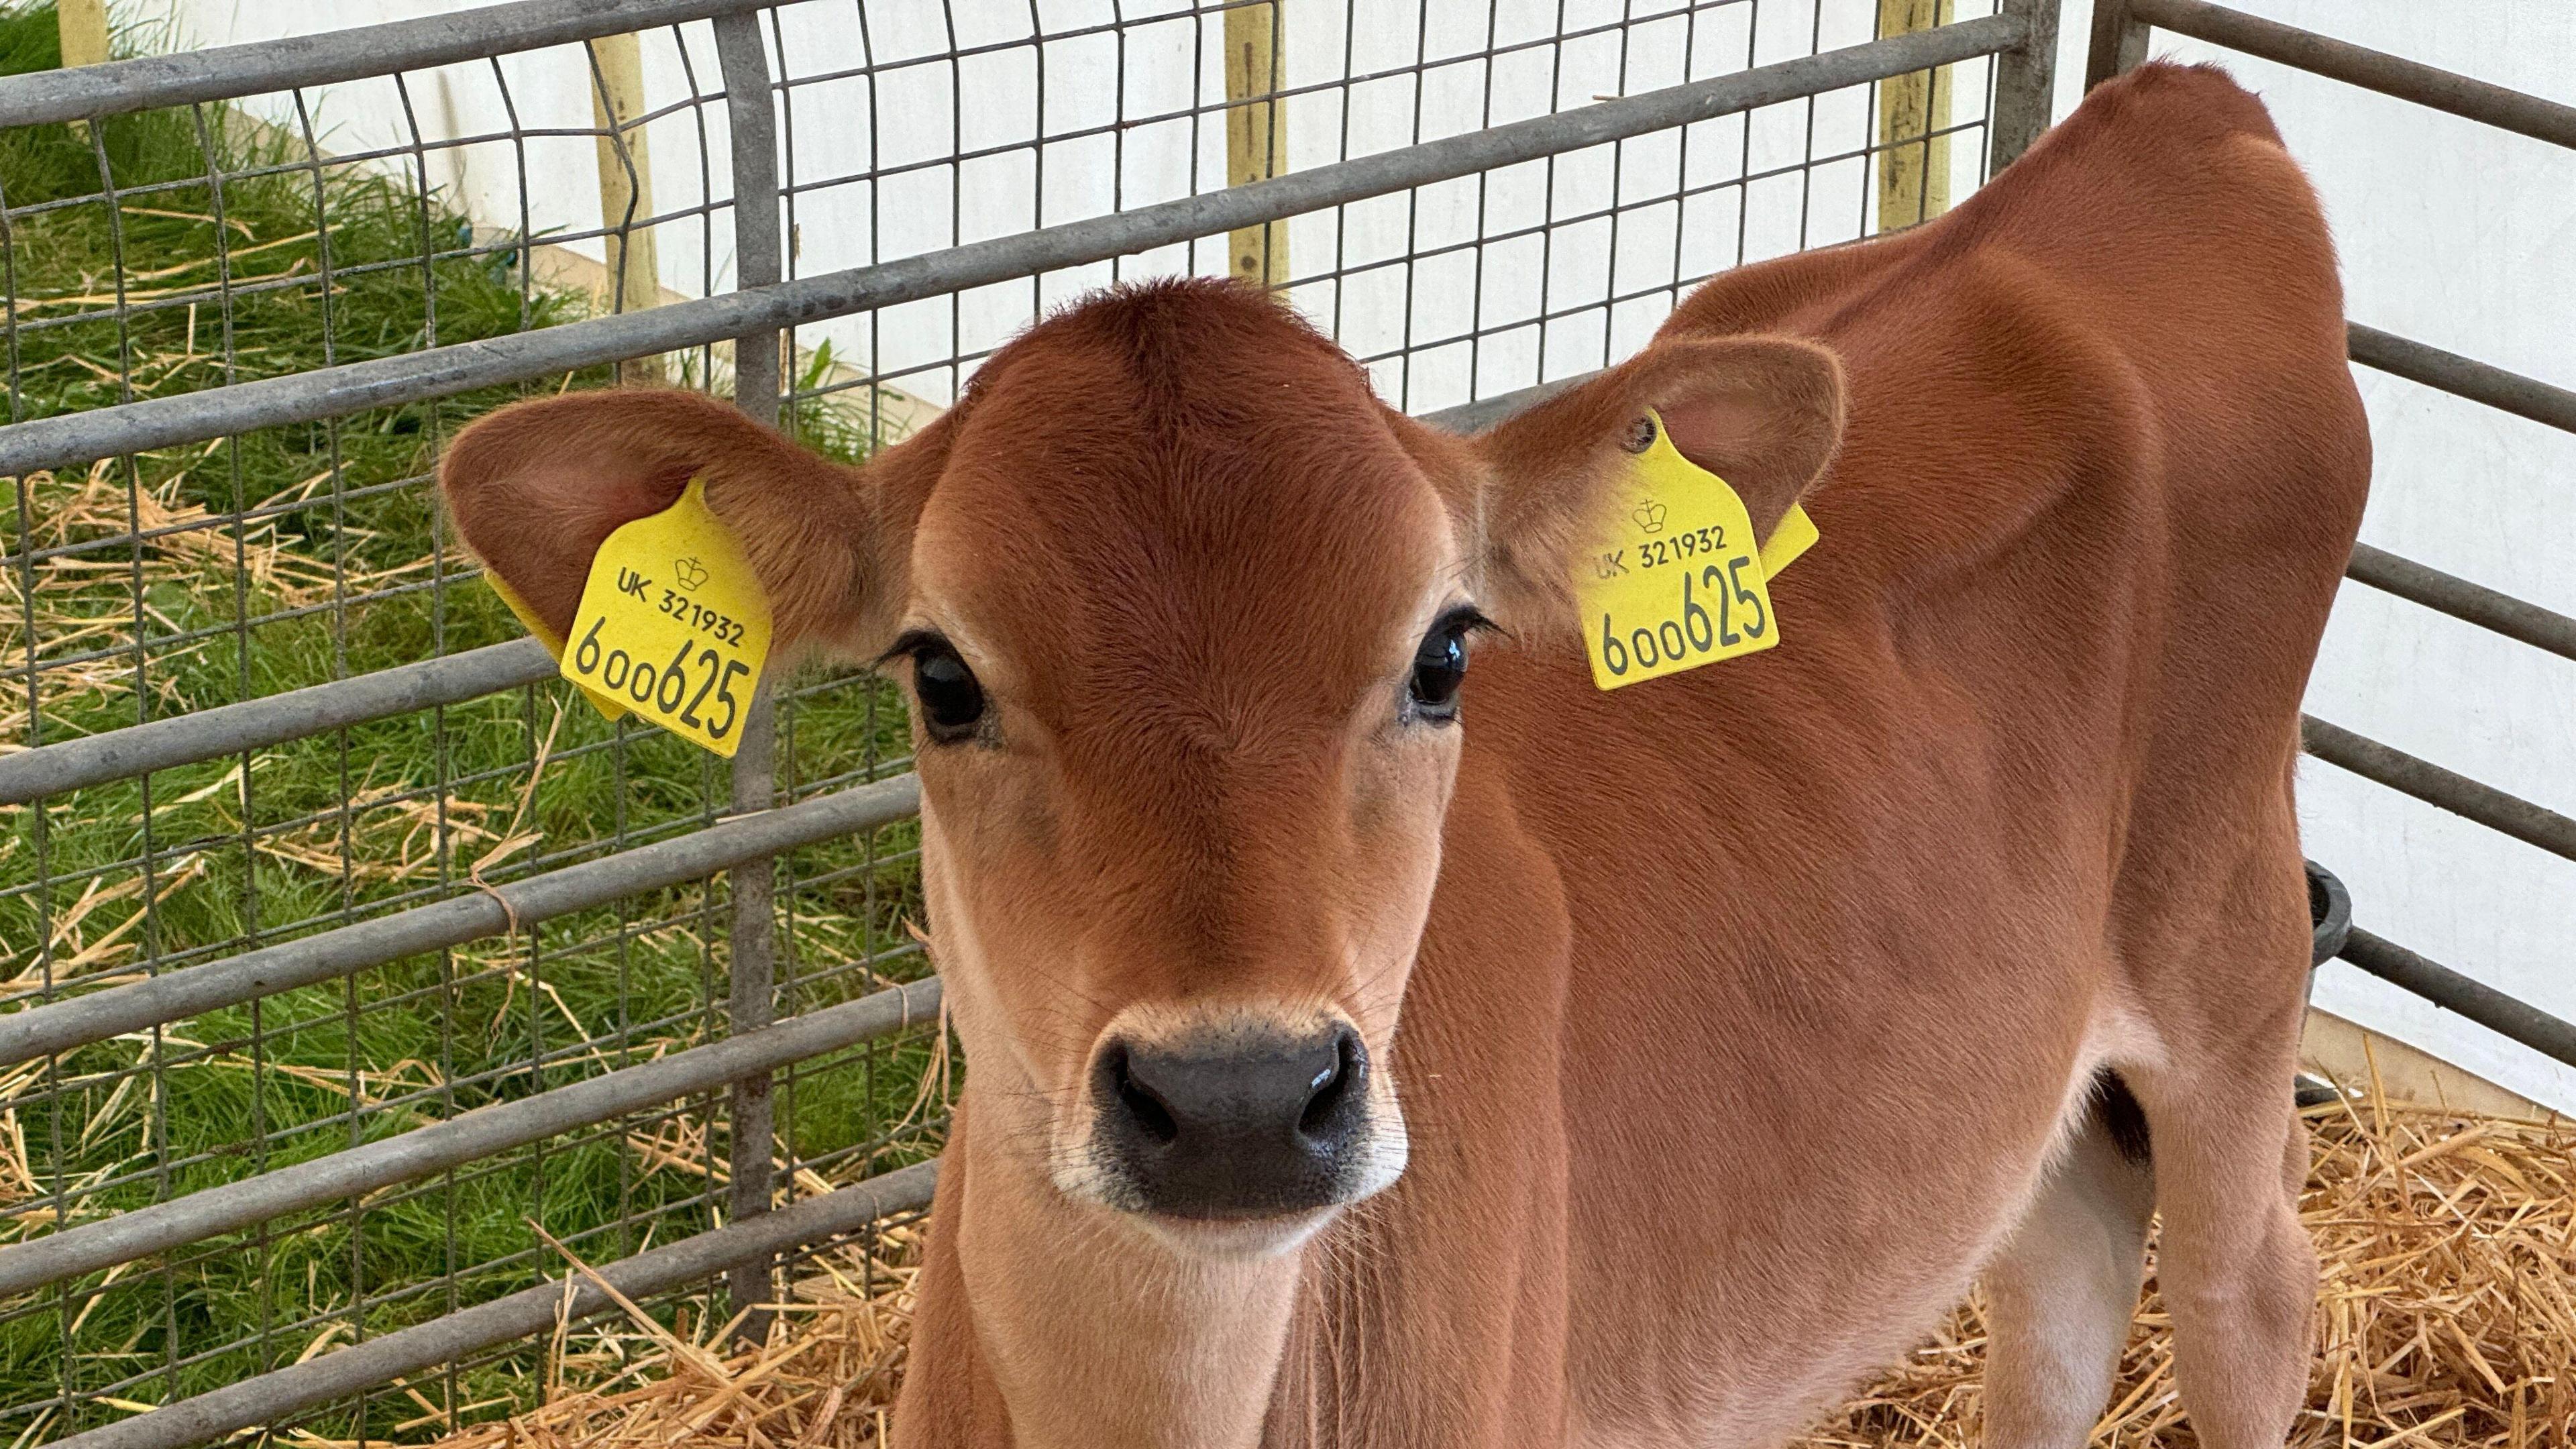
2452, 233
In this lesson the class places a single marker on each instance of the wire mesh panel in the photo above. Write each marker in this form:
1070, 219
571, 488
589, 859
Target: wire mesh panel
275, 233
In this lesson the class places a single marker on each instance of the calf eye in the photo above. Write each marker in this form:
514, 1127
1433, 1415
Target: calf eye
1440, 666
952, 703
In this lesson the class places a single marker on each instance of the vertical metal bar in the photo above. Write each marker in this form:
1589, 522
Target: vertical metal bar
1913, 125
758, 256
2119, 42
2025, 83
1256, 134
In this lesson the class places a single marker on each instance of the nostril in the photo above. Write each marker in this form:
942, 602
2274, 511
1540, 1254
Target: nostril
1335, 1084
1151, 1115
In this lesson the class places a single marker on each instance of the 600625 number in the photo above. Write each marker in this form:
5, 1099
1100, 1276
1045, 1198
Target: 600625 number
1693, 632
680, 685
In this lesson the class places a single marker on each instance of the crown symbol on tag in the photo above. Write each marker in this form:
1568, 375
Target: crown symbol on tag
1649, 516
692, 573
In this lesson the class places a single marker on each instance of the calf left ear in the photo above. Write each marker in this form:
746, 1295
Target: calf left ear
536, 487
1763, 413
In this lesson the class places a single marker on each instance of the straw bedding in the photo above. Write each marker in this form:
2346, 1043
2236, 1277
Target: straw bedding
2447, 1317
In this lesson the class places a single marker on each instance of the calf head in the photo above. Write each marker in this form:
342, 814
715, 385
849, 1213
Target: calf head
1186, 617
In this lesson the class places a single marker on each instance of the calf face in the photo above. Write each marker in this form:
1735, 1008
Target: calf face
1186, 615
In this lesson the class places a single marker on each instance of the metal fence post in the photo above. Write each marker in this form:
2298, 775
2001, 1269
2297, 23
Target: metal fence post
2025, 83
2119, 42
757, 253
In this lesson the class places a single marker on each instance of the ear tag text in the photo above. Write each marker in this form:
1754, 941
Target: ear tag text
1677, 580
673, 624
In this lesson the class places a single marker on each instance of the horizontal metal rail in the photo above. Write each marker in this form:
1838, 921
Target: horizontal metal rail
211, 734
59, 1026
2502, 1014
463, 1138
2501, 613
2524, 397
2469, 799
81, 438
268, 1397
333, 56
2375, 70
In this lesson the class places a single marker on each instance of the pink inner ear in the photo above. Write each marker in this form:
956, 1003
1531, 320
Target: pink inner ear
564, 513
1762, 439
648, 489
595, 502
1716, 430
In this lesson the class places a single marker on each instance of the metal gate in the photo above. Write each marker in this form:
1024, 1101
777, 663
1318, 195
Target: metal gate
675, 1077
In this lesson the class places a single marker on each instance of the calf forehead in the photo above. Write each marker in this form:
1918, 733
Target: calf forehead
1182, 500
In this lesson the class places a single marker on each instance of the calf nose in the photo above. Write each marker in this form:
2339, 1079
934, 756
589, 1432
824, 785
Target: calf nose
1234, 1124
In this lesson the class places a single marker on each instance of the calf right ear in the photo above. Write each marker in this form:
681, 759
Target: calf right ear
536, 487
1763, 413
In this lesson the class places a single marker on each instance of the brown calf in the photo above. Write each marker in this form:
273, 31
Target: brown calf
1746, 1014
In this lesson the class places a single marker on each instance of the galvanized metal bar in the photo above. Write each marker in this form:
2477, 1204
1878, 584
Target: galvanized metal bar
2025, 83
212, 734
2504, 1015
465, 1138
261, 67
2524, 397
752, 971
2495, 809
2119, 42
2517, 619
136, 427
752, 120
2390, 75
268, 1397
59, 1026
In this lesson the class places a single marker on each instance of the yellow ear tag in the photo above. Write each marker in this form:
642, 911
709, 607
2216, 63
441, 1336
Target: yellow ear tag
608, 708
1793, 535
1677, 580
672, 624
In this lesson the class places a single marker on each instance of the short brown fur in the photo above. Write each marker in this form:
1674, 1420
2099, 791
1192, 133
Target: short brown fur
1689, 974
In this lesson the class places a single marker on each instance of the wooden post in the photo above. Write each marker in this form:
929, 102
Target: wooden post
1913, 172
1256, 135
83, 24
84, 28
625, 186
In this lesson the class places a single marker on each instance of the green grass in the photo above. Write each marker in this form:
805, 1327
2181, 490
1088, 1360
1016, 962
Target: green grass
343, 568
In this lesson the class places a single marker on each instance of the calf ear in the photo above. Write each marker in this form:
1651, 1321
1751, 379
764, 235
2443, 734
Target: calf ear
536, 487
1763, 413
